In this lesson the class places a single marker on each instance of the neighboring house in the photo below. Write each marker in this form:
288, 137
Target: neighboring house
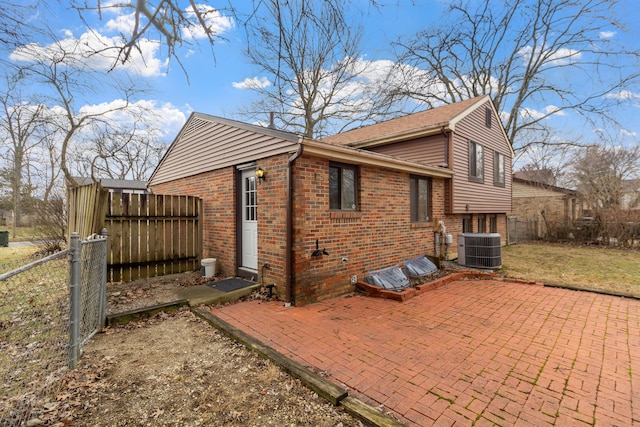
540, 176
116, 185
631, 195
312, 216
548, 205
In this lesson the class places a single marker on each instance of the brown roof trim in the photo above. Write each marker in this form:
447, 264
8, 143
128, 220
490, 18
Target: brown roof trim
416, 125
543, 185
409, 126
347, 154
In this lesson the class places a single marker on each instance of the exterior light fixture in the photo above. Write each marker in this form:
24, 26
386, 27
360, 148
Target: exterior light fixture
260, 173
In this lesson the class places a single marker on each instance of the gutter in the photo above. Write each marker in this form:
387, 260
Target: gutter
289, 243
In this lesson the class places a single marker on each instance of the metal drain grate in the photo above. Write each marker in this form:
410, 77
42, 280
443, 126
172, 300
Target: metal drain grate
420, 266
392, 278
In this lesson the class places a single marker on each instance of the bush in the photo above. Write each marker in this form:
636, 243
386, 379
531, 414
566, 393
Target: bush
51, 228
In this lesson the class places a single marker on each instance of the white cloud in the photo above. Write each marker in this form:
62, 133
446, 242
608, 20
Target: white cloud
549, 110
530, 113
553, 110
624, 94
165, 119
560, 57
98, 49
607, 34
122, 24
214, 20
628, 133
95, 51
252, 83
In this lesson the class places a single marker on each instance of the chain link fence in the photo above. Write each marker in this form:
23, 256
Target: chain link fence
520, 231
42, 327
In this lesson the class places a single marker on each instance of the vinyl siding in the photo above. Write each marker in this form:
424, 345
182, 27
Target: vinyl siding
429, 150
206, 145
480, 196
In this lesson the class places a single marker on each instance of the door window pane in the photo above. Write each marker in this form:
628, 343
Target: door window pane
251, 199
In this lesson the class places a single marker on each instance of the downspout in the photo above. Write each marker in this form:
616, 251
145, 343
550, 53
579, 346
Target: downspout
289, 244
446, 146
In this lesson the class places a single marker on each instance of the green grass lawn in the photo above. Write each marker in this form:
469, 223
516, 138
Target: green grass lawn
606, 269
22, 233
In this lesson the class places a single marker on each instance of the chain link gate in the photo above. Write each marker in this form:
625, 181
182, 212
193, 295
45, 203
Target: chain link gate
42, 328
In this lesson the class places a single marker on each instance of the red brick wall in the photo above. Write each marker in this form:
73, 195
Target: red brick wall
378, 235
272, 222
217, 189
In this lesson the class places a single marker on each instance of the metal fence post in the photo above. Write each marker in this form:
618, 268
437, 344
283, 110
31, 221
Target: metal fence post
74, 295
103, 280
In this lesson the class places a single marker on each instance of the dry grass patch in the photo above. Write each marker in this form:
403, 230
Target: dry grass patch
587, 267
13, 256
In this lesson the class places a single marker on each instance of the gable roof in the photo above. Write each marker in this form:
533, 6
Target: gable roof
207, 143
543, 176
424, 123
546, 186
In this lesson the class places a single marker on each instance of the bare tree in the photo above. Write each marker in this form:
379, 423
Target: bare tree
19, 129
547, 154
46, 165
559, 54
311, 57
127, 153
68, 82
14, 22
599, 173
175, 23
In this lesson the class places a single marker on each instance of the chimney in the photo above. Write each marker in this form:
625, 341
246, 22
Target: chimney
272, 125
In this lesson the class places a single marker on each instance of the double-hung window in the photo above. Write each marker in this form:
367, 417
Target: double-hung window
493, 224
343, 186
476, 162
498, 169
420, 196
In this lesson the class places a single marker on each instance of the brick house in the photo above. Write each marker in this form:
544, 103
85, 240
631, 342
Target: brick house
545, 206
309, 215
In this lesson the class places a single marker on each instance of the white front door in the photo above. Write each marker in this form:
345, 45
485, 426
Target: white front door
249, 220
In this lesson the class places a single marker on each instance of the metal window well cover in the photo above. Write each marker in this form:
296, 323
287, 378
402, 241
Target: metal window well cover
392, 278
420, 266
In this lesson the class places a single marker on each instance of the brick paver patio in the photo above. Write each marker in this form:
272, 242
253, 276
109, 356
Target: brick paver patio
481, 352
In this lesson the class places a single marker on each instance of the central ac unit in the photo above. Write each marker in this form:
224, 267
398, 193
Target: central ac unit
480, 250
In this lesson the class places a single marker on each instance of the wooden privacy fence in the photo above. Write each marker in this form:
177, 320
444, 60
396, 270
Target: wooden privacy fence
152, 235
148, 234
86, 209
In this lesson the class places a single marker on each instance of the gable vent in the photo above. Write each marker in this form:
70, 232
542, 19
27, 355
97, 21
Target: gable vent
480, 250
194, 125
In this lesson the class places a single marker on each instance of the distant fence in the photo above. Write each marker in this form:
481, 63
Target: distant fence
152, 235
585, 231
520, 231
49, 308
149, 234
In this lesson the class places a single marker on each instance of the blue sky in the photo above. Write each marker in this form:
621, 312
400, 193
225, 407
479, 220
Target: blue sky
214, 86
